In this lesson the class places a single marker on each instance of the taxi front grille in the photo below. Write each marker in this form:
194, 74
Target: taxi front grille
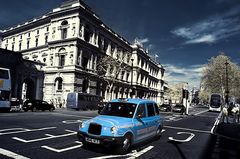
94, 129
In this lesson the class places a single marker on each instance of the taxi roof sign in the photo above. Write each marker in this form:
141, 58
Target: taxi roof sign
123, 99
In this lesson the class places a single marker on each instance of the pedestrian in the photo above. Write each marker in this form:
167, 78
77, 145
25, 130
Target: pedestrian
225, 114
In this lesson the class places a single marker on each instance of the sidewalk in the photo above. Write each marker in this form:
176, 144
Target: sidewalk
224, 143
229, 130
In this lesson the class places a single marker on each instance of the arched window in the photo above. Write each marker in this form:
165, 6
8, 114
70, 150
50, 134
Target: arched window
58, 84
62, 53
64, 26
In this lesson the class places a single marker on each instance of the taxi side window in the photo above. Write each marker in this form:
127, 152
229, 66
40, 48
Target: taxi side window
156, 109
150, 109
141, 112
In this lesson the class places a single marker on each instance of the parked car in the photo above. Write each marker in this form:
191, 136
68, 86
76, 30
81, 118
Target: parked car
16, 104
179, 108
34, 105
165, 107
101, 106
122, 122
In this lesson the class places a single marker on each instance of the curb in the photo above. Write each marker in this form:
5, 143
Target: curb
214, 128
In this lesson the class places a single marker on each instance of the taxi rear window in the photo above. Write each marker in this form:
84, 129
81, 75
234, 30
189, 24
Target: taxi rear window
119, 109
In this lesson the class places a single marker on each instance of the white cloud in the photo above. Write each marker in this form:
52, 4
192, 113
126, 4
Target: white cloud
191, 74
212, 29
144, 40
204, 39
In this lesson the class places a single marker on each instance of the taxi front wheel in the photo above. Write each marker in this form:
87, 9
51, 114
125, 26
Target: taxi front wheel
126, 144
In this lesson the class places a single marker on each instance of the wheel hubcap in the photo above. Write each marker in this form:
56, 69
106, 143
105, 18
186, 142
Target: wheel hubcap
126, 143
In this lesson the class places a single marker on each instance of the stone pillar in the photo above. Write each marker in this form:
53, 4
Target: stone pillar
97, 38
95, 63
108, 52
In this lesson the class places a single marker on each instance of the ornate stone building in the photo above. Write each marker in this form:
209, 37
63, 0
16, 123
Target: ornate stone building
70, 41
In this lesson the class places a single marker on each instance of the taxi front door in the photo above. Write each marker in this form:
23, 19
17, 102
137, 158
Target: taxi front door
140, 123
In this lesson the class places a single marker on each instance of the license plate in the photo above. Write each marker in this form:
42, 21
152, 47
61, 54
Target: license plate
94, 141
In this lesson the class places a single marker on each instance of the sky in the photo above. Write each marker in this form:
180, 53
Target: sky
182, 34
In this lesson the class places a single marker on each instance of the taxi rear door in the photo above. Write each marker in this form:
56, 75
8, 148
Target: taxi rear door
151, 120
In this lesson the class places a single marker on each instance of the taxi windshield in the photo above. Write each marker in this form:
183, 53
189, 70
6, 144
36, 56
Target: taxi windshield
119, 109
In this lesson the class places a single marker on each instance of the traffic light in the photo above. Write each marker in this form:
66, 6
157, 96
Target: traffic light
185, 93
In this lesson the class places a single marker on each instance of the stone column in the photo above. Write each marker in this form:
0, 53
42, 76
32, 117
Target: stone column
108, 52
97, 38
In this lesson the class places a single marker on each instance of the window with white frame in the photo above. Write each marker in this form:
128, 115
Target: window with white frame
58, 84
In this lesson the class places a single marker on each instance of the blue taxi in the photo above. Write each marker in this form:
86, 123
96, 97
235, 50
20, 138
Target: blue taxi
123, 122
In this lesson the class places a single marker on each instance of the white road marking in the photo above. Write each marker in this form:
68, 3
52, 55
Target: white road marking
21, 130
137, 154
132, 155
65, 149
79, 116
187, 129
11, 154
72, 121
46, 138
216, 122
201, 112
186, 140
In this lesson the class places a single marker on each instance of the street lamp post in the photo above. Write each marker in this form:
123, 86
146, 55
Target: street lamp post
131, 93
227, 91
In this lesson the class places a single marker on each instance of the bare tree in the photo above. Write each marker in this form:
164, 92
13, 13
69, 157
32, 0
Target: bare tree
175, 92
111, 69
214, 76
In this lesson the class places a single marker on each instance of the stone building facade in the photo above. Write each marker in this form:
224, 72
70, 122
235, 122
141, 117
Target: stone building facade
70, 41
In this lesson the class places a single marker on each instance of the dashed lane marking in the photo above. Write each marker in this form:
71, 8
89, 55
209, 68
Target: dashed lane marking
49, 136
65, 149
11, 154
21, 130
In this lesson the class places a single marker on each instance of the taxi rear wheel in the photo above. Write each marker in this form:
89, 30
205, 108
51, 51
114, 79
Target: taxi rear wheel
159, 132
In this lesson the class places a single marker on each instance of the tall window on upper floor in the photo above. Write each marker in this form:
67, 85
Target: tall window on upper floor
62, 60
58, 84
28, 44
88, 33
36, 42
46, 39
127, 76
105, 45
64, 26
122, 75
12, 47
20, 46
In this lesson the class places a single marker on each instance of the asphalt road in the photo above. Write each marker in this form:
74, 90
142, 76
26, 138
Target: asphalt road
50, 135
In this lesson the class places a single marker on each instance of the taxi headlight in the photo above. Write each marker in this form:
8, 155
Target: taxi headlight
81, 125
113, 129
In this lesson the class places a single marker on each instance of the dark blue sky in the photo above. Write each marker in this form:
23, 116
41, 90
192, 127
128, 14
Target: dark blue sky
183, 33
